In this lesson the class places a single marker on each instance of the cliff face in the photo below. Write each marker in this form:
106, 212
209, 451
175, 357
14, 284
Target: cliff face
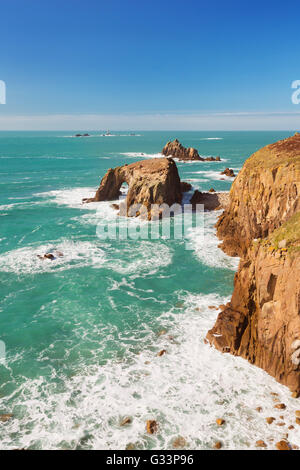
262, 321
263, 196
154, 181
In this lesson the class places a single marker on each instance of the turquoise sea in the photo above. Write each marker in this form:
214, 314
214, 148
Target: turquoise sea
82, 332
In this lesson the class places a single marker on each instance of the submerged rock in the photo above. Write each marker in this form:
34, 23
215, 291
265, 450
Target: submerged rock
5, 417
179, 443
126, 421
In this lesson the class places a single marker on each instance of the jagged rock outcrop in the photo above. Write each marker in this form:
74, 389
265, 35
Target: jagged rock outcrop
261, 323
154, 181
176, 150
228, 172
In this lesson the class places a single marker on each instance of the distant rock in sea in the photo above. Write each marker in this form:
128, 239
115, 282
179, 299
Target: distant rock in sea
176, 150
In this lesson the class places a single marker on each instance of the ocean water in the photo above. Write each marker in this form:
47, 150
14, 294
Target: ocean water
81, 333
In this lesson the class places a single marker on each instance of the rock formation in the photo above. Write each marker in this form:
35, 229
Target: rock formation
154, 181
261, 323
176, 150
228, 172
210, 200
185, 187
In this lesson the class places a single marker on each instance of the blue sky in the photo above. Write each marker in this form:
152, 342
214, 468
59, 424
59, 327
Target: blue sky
131, 60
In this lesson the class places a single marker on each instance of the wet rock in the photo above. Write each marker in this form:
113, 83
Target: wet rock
126, 421
220, 421
283, 445
212, 190
115, 206
259, 409
297, 413
280, 406
280, 424
130, 446
179, 304
228, 172
185, 187
298, 421
212, 307
291, 427
151, 426
162, 352
270, 420
218, 445
5, 417
295, 394
179, 443
49, 256
260, 443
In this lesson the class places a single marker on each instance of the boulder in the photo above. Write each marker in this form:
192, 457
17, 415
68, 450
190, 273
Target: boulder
228, 172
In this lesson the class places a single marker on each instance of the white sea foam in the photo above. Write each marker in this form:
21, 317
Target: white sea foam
75, 254
71, 197
212, 138
206, 247
142, 155
185, 390
214, 175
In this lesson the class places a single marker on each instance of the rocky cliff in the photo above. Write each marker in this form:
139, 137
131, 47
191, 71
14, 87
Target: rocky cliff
154, 181
262, 225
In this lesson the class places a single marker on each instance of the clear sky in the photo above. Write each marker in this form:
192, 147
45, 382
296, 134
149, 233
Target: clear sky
149, 64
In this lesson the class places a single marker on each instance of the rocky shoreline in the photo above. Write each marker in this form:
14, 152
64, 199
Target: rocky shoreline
261, 323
